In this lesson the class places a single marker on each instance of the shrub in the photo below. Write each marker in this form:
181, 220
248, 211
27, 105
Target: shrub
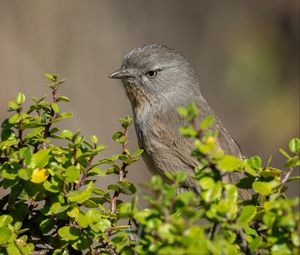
53, 205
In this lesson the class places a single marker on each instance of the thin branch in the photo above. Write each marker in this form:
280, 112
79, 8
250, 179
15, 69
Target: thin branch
121, 175
287, 176
84, 173
243, 241
215, 228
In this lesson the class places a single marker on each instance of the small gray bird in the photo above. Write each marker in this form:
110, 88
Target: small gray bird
157, 80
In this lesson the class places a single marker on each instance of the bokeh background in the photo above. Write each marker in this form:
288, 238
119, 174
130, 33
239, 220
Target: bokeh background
246, 54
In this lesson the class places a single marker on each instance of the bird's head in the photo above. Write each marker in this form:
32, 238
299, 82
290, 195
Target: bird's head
157, 75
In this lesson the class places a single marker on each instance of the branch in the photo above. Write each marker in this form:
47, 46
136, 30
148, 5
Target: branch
121, 175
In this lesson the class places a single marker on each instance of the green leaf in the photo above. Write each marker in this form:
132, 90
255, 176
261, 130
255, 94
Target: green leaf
66, 134
188, 131
193, 110
57, 208
51, 77
90, 203
47, 225
25, 174
124, 187
20, 98
65, 115
53, 186
156, 182
126, 122
206, 182
55, 107
72, 174
96, 172
294, 145
292, 162
180, 176
40, 159
100, 147
15, 118
63, 98
205, 148
284, 153
264, 188
99, 191
9, 174
119, 137
83, 243
254, 162
231, 192
207, 122
13, 106
185, 197
295, 239
229, 163
82, 221
5, 220
94, 139
79, 196
182, 111
69, 233
189, 113
12, 249
73, 212
26, 154
213, 193
96, 222
17, 226
247, 214
5, 235
280, 249
120, 239
254, 245
137, 153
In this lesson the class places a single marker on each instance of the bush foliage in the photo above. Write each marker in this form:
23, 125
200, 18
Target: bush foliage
53, 205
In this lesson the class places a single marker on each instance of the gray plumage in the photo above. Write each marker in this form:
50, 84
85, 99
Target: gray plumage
157, 80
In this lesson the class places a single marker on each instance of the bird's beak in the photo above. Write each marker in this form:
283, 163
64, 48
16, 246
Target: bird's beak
120, 74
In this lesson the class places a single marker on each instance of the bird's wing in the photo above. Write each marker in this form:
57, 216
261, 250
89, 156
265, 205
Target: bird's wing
173, 151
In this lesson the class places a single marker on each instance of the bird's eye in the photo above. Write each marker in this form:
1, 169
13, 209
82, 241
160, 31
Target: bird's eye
151, 74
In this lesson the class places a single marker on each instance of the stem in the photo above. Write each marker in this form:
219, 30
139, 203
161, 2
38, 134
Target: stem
54, 95
287, 176
243, 241
121, 176
48, 125
213, 230
20, 131
113, 201
84, 173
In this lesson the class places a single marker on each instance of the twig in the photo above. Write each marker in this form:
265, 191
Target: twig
243, 241
20, 131
215, 228
287, 176
121, 175
41, 252
53, 114
84, 173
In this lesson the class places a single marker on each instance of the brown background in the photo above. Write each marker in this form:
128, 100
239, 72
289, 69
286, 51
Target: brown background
246, 54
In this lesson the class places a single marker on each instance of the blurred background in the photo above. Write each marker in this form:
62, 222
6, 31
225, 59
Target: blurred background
246, 54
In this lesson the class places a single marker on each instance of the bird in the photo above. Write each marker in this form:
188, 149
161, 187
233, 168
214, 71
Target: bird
157, 80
